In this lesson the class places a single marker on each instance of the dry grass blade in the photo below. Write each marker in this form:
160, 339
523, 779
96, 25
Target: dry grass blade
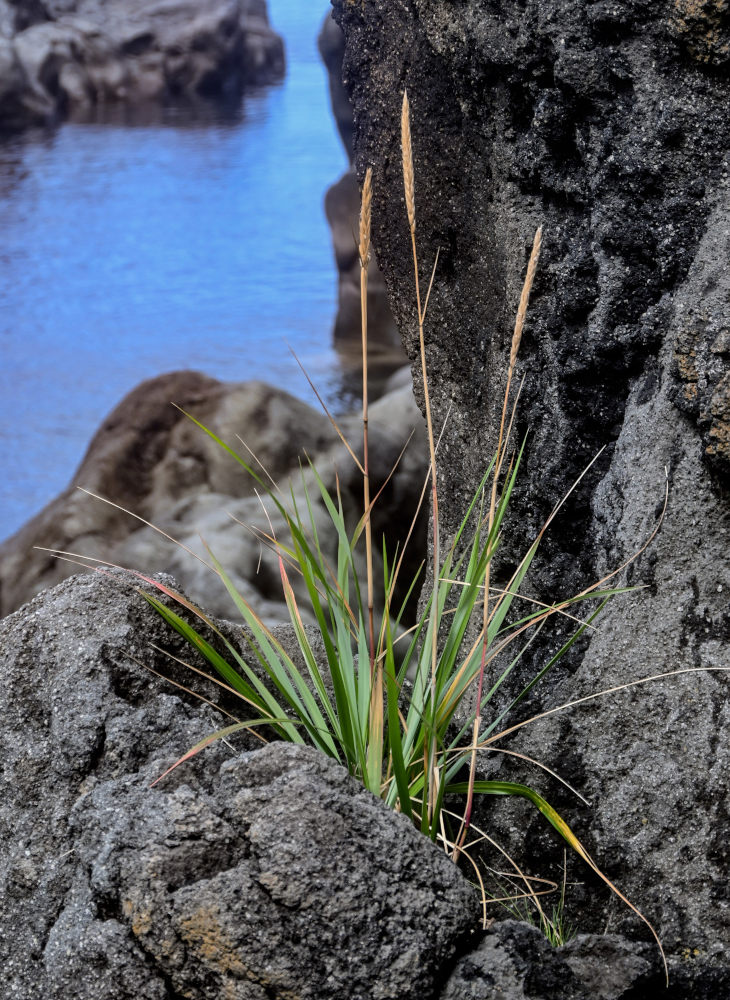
463, 851
409, 186
502, 442
331, 419
537, 763
181, 687
149, 524
525, 298
376, 708
258, 461
365, 219
601, 694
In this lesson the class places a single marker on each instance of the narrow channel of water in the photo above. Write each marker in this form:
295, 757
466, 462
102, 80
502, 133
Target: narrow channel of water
128, 250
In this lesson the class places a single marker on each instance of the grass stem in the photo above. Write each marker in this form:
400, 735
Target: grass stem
409, 187
502, 443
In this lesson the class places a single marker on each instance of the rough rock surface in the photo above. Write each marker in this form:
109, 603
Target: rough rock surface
253, 874
149, 458
258, 875
514, 960
342, 207
66, 57
610, 125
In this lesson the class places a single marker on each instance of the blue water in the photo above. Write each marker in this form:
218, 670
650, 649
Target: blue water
131, 250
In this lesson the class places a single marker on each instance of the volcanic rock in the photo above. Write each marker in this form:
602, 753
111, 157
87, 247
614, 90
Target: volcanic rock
609, 125
244, 874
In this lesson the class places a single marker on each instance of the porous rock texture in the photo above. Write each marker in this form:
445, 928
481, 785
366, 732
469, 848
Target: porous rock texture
61, 57
249, 875
514, 960
608, 124
149, 458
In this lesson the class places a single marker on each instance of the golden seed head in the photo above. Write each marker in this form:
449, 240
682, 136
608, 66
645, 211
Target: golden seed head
408, 172
524, 297
365, 212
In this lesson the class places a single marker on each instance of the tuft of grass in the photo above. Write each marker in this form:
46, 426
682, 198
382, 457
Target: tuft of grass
525, 905
395, 718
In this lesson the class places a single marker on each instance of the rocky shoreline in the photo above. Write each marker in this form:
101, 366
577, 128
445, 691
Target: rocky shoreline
65, 58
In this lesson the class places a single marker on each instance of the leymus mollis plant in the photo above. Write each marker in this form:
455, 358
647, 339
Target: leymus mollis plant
439, 771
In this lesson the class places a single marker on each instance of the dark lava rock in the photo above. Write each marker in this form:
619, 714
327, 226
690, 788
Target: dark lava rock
267, 874
514, 960
608, 124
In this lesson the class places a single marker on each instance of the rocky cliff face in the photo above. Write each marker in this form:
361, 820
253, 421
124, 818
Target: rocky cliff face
61, 58
608, 124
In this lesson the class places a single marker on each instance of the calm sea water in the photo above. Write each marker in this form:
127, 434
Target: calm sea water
131, 250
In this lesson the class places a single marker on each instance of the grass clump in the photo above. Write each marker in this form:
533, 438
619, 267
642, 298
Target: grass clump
406, 714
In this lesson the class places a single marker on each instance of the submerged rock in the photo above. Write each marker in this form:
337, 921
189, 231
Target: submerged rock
71, 56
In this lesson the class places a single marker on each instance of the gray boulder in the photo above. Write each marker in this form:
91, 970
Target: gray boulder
608, 124
244, 874
150, 459
83, 54
514, 960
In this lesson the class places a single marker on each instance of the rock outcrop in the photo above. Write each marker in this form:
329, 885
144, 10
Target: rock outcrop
253, 874
609, 124
68, 57
247, 875
152, 460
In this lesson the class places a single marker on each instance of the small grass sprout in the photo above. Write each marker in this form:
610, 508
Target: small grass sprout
526, 905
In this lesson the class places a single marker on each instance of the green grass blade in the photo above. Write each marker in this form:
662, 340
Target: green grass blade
255, 694
523, 791
541, 673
